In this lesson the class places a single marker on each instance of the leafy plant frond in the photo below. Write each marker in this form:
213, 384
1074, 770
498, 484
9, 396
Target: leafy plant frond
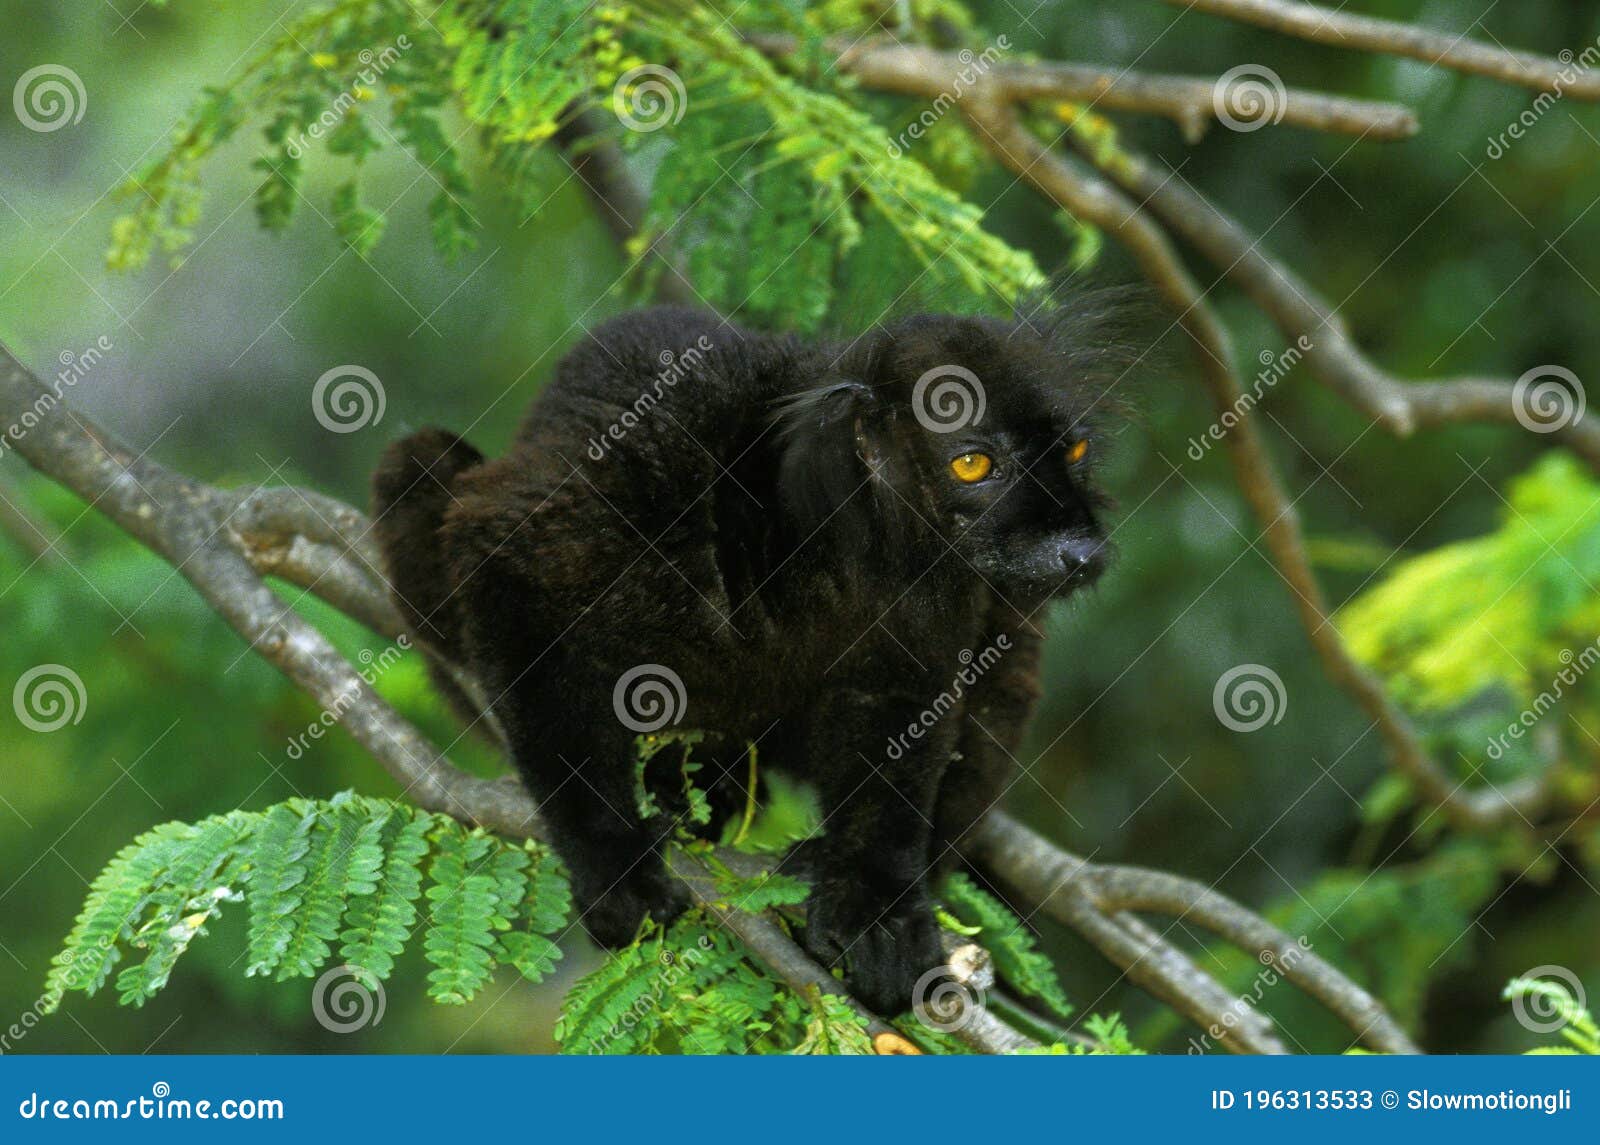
346, 871
1017, 958
1547, 996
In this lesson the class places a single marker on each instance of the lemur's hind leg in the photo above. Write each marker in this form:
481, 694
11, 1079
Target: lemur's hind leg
575, 757
998, 706
411, 492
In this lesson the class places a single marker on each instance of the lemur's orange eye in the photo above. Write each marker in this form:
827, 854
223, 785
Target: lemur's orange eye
1077, 451
970, 467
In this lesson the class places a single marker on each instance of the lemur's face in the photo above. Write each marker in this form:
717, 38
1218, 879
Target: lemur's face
966, 440
1000, 447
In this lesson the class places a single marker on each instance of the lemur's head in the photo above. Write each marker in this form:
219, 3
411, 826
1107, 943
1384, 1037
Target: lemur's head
965, 439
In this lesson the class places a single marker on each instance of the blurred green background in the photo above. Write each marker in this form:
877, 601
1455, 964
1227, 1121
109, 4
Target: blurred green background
1442, 262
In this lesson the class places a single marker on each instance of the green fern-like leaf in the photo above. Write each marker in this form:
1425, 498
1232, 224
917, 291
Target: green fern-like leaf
464, 904
189, 893
591, 1019
834, 1028
1017, 960
545, 908
378, 923
340, 860
275, 878
111, 911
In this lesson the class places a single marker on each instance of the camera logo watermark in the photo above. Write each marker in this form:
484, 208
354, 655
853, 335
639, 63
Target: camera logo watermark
948, 398
1249, 697
1249, 97
348, 398
347, 998
1537, 1007
49, 97
649, 697
49, 697
946, 1001
649, 97
1547, 399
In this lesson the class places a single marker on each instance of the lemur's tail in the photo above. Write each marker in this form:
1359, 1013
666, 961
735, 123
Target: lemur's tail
410, 493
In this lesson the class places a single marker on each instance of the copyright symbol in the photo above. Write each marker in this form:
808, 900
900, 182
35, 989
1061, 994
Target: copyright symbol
1390, 1099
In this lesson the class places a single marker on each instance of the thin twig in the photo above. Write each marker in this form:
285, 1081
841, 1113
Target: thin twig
1392, 37
1399, 405
1069, 889
1190, 101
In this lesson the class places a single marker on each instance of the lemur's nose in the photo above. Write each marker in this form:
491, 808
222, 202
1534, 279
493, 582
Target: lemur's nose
1082, 557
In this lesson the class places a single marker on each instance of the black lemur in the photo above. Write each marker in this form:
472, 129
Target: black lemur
839, 551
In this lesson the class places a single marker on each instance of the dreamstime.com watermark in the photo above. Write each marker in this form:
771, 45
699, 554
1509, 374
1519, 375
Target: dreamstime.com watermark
372, 666
974, 66
674, 368
1576, 664
34, 1014
1574, 66
1274, 966
972, 670
674, 967
946, 1000
1535, 1010
1547, 399
74, 368
362, 86
159, 1105
1248, 697
1275, 367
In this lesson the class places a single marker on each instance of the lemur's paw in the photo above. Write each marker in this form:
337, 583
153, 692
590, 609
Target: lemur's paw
884, 951
612, 915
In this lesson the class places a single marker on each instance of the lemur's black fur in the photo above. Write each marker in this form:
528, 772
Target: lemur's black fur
779, 528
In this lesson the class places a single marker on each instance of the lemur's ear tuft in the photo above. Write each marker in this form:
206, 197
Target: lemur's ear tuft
830, 445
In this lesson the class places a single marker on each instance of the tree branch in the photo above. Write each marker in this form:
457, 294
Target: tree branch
1399, 405
887, 65
1087, 196
1072, 890
225, 542
1392, 37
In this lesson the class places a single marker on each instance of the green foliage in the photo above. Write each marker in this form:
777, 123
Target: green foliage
1495, 612
306, 869
790, 170
693, 988
1491, 641
1547, 996
1017, 959
1109, 1038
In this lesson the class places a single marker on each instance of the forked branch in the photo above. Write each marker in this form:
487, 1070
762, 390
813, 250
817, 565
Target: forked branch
225, 542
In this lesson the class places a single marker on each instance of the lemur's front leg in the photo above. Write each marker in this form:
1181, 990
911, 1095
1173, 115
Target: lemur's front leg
870, 909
